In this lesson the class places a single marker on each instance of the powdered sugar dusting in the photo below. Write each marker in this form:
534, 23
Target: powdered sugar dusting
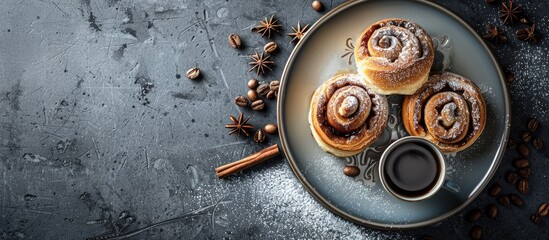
279, 194
530, 87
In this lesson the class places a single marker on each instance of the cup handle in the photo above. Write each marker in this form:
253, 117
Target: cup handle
451, 186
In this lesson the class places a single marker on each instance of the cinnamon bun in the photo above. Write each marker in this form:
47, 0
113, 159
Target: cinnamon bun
394, 56
449, 110
346, 116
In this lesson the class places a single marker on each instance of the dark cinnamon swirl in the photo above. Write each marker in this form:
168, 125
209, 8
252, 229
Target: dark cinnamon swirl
346, 116
449, 110
394, 56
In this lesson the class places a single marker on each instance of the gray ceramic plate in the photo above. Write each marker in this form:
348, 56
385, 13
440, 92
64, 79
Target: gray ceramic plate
325, 50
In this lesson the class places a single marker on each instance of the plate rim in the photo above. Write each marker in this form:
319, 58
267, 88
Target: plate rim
384, 226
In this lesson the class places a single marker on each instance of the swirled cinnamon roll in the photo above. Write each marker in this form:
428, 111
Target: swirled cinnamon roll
394, 56
449, 110
346, 116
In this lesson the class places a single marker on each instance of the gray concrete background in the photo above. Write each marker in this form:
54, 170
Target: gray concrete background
103, 134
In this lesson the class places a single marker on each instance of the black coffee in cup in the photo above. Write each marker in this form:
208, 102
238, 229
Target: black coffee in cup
412, 169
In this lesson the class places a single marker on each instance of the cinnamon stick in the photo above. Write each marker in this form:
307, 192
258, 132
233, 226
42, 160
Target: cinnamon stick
237, 166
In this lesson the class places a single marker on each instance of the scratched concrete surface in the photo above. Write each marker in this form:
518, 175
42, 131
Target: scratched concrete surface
102, 134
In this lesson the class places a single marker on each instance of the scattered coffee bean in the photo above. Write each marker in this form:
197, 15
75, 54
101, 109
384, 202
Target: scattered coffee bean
473, 215
504, 200
263, 89
526, 136
516, 200
521, 163
511, 177
494, 190
193, 73
492, 211
524, 150
252, 95
525, 172
522, 34
427, 237
523, 186
259, 136
533, 125
317, 6
258, 105
270, 47
270, 94
234, 40
271, 128
543, 209
273, 85
511, 143
241, 101
536, 218
509, 77
252, 84
351, 171
537, 143
476, 232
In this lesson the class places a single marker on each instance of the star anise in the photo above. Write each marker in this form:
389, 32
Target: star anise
510, 12
527, 34
239, 125
260, 63
298, 33
493, 33
265, 27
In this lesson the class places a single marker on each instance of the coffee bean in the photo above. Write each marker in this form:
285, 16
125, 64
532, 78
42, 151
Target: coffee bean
526, 136
259, 136
521, 163
492, 211
509, 77
317, 6
234, 40
523, 150
274, 84
476, 232
241, 101
516, 200
473, 215
351, 171
525, 172
522, 34
511, 143
504, 200
536, 218
258, 105
252, 95
533, 124
543, 209
427, 237
263, 89
523, 186
193, 73
252, 84
494, 190
270, 47
271, 128
511, 177
271, 94
537, 143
